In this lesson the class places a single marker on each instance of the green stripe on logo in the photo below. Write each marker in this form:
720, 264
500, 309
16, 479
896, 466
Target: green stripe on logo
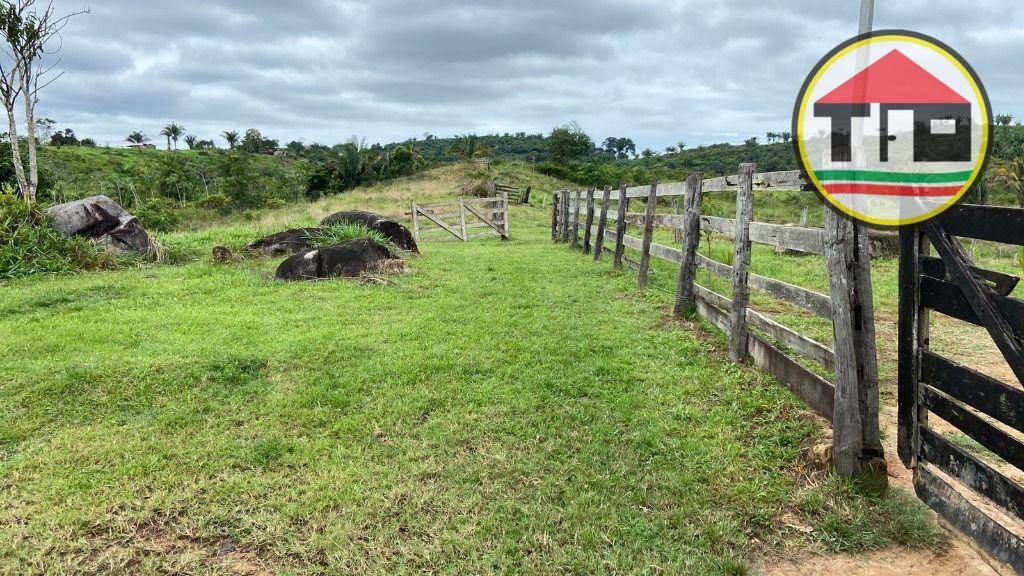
895, 177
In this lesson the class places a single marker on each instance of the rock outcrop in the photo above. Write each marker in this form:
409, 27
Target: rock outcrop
348, 260
395, 231
286, 243
105, 222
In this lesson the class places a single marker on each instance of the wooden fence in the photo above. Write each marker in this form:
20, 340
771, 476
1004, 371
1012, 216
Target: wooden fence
753, 336
454, 220
515, 195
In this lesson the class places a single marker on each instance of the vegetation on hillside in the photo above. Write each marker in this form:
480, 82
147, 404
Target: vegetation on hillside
29, 244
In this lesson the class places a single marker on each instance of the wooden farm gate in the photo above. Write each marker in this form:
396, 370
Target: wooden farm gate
515, 195
457, 219
968, 487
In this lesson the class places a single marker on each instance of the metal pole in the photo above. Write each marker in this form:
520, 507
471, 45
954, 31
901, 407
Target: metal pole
867, 16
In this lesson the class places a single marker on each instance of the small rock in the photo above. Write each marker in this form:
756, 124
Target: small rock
222, 255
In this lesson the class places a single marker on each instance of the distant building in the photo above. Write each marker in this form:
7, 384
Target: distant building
146, 146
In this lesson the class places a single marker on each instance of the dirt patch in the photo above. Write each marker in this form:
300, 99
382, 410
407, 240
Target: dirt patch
159, 543
959, 560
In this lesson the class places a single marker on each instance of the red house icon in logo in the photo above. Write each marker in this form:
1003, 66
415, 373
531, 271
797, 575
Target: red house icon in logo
941, 117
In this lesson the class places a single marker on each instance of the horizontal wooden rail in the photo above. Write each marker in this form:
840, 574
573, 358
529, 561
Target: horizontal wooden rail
814, 390
789, 338
792, 180
971, 387
968, 518
803, 298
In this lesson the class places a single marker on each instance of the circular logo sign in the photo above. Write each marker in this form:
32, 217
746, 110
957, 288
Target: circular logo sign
892, 127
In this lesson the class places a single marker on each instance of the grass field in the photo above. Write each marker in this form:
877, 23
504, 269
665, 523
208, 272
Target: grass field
503, 408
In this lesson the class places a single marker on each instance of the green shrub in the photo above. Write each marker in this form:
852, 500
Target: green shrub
341, 233
274, 203
29, 244
158, 214
215, 202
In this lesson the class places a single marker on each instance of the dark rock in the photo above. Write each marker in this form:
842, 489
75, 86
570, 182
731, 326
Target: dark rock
346, 260
129, 236
104, 221
222, 255
396, 232
285, 243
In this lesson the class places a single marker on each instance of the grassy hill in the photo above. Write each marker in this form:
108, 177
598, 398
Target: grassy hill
504, 407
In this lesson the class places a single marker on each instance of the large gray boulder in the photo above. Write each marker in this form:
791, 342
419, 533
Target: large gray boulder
396, 232
104, 221
349, 260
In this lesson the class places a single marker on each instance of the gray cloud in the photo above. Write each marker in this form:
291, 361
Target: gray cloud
659, 71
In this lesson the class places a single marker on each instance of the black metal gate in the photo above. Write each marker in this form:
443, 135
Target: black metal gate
964, 484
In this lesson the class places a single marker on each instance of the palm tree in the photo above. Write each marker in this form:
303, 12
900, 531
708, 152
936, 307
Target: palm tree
232, 138
172, 132
137, 138
191, 141
1012, 175
468, 147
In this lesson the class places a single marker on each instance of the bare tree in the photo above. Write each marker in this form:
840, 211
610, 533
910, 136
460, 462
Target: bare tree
10, 91
29, 28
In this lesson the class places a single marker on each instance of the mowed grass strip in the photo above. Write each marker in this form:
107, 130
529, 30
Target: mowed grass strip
504, 408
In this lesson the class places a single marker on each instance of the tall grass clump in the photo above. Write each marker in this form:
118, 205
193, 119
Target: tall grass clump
341, 233
29, 244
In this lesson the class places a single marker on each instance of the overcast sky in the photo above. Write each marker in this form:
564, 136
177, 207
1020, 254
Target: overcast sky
658, 71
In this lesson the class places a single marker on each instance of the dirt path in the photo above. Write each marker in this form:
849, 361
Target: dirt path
961, 559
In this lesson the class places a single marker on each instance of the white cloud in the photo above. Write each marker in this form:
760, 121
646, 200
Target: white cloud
659, 71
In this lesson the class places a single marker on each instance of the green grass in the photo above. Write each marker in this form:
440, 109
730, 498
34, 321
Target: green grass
504, 408
342, 233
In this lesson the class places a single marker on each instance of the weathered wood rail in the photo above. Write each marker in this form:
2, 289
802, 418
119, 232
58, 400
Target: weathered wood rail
753, 335
515, 195
982, 407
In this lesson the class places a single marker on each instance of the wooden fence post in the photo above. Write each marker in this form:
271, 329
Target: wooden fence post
857, 449
602, 223
678, 232
739, 331
589, 221
685, 300
504, 215
565, 215
576, 219
462, 219
872, 452
645, 252
620, 229
416, 222
554, 217
847, 425
914, 338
